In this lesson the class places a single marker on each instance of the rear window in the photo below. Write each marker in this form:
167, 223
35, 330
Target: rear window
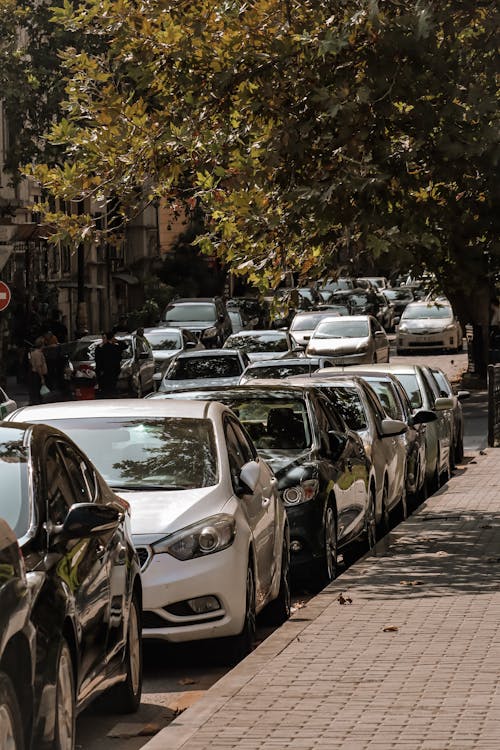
265, 342
193, 368
280, 371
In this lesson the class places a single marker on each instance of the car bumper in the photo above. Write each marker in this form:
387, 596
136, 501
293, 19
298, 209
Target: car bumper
437, 340
360, 358
168, 584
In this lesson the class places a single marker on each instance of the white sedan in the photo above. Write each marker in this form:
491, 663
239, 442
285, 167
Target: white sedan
7, 405
207, 520
429, 325
349, 340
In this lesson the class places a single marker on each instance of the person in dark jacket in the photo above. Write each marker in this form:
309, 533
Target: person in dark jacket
108, 356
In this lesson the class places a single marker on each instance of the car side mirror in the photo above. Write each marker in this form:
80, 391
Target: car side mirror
423, 416
378, 334
88, 519
393, 427
189, 345
396, 320
337, 442
442, 404
249, 478
462, 395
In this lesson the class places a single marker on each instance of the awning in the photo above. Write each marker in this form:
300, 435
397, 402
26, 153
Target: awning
127, 278
5, 253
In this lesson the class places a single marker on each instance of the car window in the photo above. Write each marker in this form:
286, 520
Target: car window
387, 397
269, 341
410, 384
376, 407
350, 406
75, 467
431, 390
235, 453
341, 328
61, 494
14, 468
444, 386
247, 449
164, 341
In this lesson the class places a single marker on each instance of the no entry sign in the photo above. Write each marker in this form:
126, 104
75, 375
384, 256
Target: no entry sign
4, 295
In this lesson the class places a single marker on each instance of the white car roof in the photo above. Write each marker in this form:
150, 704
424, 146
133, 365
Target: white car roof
380, 367
442, 302
122, 407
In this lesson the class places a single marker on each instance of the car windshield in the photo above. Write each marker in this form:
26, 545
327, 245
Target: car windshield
305, 322
14, 498
197, 312
427, 311
192, 368
398, 294
349, 405
274, 423
281, 370
164, 341
264, 342
339, 329
410, 384
148, 453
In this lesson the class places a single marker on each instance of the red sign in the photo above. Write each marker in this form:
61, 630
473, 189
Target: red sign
4, 295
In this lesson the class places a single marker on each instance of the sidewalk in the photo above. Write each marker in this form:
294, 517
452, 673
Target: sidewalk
412, 664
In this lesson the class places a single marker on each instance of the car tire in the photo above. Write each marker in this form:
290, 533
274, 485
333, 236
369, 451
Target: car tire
139, 387
433, 485
125, 698
328, 564
369, 539
278, 611
64, 731
445, 475
11, 725
384, 523
459, 449
239, 646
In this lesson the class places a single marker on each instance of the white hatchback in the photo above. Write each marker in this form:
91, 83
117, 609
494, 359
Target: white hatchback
429, 325
207, 519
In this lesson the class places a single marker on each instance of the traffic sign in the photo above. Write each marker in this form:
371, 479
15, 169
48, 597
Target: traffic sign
4, 295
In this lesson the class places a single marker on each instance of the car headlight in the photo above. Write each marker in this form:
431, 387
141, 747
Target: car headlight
208, 332
301, 493
362, 347
402, 328
450, 327
202, 538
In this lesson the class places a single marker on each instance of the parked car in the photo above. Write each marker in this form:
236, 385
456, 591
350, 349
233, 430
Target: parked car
350, 340
137, 364
206, 317
239, 321
83, 576
258, 345
429, 325
396, 404
7, 405
438, 434
213, 367
400, 298
17, 646
207, 520
323, 473
303, 324
383, 438
340, 284
255, 310
380, 282
283, 368
442, 388
167, 343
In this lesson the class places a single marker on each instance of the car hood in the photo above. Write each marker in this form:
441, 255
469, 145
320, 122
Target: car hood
426, 324
182, 385
262, 356
163, 512
165, 354
289, 467
337, 346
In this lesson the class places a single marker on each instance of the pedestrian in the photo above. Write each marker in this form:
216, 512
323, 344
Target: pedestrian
38, 371
108, 357
57, 326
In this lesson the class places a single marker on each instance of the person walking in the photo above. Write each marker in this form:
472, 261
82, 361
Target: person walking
108, 357
38, 371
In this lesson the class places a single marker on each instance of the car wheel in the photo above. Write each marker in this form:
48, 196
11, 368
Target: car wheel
328, 563
64, 738
445, 475
371, 522
434, 483
11, 727
384, 524
459, 449
278, 611
401, 509
241, 645
125, 698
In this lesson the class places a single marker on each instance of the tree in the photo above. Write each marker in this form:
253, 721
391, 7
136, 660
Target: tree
309, 132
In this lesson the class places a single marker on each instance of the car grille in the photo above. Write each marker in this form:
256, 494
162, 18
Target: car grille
144, 554
423, 344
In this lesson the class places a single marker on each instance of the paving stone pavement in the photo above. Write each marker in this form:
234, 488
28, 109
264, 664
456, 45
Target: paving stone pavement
412, 664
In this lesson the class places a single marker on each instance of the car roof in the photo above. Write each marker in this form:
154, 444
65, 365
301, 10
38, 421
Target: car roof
265, 386
336, 318
207, 353
305, 380
261, 332
441, 302
191, 300
280, 361
395, 368
119, 408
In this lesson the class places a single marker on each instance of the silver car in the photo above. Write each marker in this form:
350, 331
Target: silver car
350, 340
443, 389
210, 368
167, 343
304, 324
429, 325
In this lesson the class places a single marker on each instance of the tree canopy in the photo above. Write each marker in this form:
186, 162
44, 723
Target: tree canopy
310, 132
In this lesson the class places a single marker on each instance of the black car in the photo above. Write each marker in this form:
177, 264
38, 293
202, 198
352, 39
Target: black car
17, 646
83, 575
206, 317
321, 466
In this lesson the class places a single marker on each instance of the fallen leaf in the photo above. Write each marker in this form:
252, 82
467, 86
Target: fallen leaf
391, 629
442, 553
125, 730
187, 681
344, 599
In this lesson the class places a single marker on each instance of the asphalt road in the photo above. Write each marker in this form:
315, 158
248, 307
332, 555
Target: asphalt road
174, 677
